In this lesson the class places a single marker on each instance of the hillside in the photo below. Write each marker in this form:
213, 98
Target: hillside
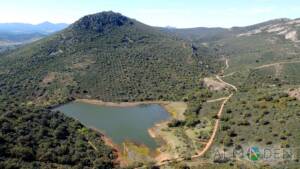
206, 34
261, 62
103, 56
201, 34
109, 57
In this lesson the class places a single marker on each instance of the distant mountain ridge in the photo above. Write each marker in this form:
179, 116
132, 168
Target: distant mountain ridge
16, 34
45, 27
209, 34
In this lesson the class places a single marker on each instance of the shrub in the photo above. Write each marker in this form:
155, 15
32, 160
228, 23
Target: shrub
227, 141
24, 153
175, 123
192, 122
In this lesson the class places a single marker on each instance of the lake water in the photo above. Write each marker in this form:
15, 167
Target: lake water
119, 123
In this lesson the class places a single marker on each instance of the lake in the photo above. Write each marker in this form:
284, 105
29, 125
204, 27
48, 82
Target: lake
119, 123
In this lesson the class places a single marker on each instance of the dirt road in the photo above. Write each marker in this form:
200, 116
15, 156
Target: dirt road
214, 133
201, 152
216, 100
278, 63
228, 84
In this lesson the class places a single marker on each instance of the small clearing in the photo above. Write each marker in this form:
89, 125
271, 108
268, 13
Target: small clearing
83, 64
50, 77
213, 84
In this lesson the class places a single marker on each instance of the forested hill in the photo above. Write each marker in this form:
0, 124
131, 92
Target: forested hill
103, 56
109, 57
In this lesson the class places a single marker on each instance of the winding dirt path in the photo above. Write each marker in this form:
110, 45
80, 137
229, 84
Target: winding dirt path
230, 74
227, 65
226, 99
214, 133
277, 63
219, 115
262, 66
201, 152
217, 123
228, 84
216, 100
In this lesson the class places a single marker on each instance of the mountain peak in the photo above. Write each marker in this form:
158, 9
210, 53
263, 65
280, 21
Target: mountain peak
101, 21
45, 23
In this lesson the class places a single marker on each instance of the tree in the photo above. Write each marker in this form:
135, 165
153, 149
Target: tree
61, 132
24, 153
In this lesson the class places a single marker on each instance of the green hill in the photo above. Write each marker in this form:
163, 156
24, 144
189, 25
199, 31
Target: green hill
109, 57
103, 56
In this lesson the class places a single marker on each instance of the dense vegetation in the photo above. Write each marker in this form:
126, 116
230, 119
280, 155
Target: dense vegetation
42, 138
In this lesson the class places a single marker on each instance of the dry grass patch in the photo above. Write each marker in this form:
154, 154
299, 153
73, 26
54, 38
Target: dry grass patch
176, 109
83, 64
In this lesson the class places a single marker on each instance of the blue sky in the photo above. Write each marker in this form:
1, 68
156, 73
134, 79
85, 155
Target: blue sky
176, 13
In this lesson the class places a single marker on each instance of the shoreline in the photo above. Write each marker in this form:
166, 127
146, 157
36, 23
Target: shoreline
120, 104
161, 156
109, 142
174, 108
168, 106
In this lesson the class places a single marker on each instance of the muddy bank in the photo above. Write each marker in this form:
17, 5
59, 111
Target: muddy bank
114, 104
